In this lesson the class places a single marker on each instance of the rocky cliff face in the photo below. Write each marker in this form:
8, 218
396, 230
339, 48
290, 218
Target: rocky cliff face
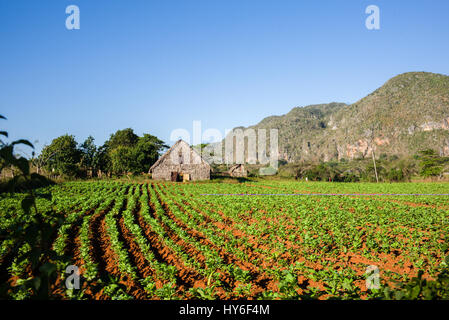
408, 113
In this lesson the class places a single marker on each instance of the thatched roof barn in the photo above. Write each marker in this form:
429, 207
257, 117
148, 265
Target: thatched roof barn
238, 170
180, 163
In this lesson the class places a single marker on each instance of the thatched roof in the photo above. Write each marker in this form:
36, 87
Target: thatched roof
167, 153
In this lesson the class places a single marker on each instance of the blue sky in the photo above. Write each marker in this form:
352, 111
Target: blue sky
156, 66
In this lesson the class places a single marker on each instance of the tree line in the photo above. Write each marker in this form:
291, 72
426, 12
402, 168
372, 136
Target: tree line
123, 153
426, 163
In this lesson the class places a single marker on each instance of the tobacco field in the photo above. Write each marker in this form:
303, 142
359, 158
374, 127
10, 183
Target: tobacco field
251, 240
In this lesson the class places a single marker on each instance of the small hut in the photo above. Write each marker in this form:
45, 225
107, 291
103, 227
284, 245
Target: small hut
238, 170
180, 163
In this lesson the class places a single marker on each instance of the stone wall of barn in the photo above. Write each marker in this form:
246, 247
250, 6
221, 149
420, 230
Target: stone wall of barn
238, 171
196, 171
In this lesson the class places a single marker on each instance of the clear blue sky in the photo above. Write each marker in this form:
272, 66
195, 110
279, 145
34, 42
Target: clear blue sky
156, 66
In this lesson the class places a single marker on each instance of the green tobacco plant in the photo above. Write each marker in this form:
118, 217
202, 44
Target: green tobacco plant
37, 234
421, 289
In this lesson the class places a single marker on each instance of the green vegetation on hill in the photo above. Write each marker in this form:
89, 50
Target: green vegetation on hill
409, 113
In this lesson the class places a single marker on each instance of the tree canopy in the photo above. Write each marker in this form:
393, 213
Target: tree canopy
62, 156
124, 152
130, 153
88, 151
431, 163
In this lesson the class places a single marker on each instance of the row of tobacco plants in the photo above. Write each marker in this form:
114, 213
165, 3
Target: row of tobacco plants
255, 240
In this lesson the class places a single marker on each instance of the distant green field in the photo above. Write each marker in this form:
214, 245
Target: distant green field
258, 239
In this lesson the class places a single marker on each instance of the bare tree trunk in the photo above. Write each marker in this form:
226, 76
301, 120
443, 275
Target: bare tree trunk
375, 169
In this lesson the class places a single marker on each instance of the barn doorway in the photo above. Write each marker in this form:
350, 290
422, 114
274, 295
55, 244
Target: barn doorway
174, 176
